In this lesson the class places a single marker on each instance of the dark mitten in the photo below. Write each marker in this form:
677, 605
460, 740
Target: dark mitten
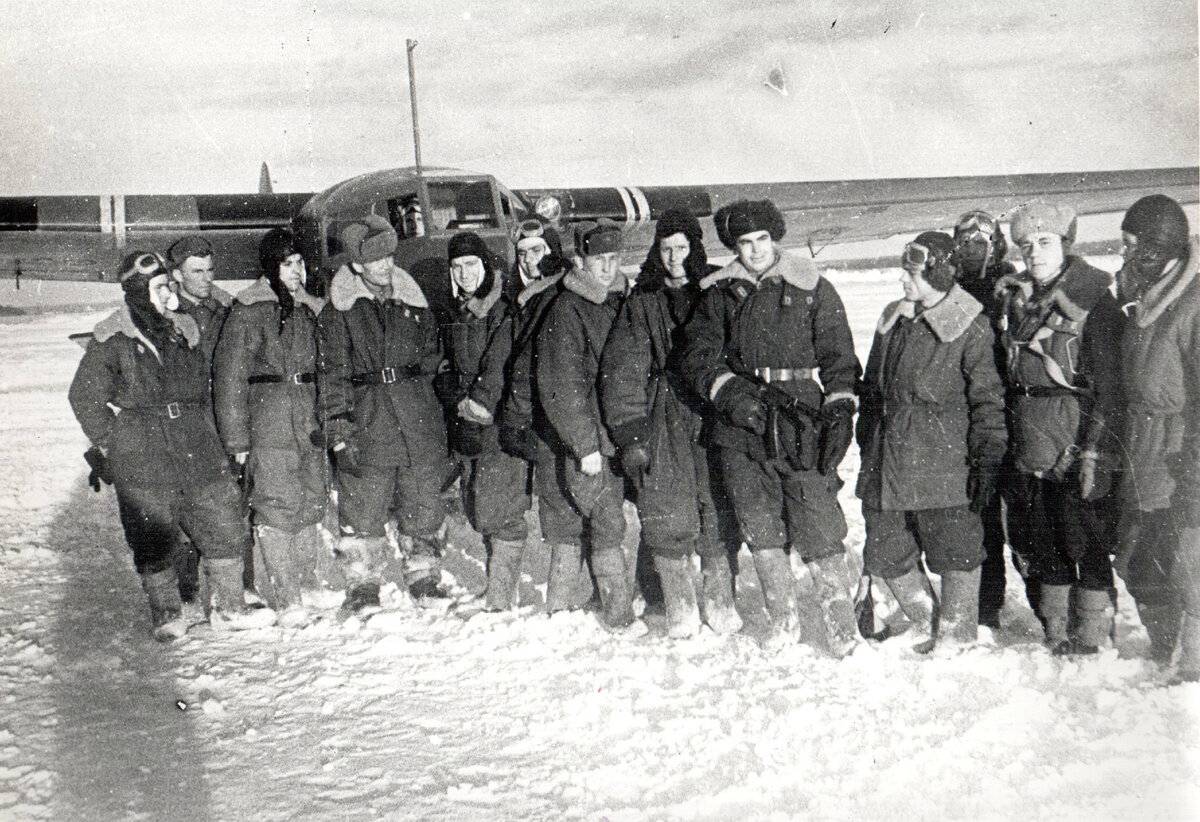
635, 459
739, 402
466, 438
445, 387
837, 430
346, 459
518, 442
101, 472
982, 482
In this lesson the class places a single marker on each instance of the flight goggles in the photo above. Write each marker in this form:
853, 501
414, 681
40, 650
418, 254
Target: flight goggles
915, 256
528, 229
145, 264
976, 222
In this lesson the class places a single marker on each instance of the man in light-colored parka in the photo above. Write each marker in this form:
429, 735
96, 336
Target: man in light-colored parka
1160, 372
264, 396
932, 433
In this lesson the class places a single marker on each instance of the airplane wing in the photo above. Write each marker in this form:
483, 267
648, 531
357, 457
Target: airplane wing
823, 213
82, 237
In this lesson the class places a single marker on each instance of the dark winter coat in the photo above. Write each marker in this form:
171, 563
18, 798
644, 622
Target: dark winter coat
1061, 341
983, 287
209, 315
932, 401
520, 408
266, 415
396, 423
789, 317
163, 434
567, 365
1160, 371
478, 338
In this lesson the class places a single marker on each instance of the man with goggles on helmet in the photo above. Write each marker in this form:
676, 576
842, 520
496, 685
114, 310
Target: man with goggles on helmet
980, 252
932, 435
142, 395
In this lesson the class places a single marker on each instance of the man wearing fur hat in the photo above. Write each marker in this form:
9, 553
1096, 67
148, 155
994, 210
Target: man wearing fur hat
770, 317
377, 356
142, 396
1160, 374
264, 396
657, 423
1061, 325
932, 435
566, 369
478, 339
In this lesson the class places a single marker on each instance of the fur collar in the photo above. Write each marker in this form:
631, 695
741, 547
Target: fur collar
347, 288
948, 320
260, 291
578, 283
480, 306
1169, 288
121, 322
794, 268
537, 287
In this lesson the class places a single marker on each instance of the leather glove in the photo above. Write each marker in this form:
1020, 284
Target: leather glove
346, 458
837, 430
518, 442
635, 459
592, 464
101, 471
982, 483
738, 400
1095, 477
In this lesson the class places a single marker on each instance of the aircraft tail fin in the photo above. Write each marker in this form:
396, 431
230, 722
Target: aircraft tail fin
264, 180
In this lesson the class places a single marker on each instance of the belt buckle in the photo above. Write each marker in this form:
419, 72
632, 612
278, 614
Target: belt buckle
296, 379
173, 411
388, 375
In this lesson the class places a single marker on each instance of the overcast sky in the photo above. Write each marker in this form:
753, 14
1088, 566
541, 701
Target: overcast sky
105, 96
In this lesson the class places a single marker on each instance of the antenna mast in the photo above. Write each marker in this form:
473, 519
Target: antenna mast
412, 93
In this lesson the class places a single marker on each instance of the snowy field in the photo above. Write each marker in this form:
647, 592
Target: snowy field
422, 714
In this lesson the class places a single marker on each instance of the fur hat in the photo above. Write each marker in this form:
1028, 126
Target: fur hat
746, 217
1038, 217
277, 245
467, 244
600, 237
192, 245
371, 239
939, 271
1160, 222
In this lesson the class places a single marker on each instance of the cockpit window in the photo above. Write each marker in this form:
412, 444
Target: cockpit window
461, 204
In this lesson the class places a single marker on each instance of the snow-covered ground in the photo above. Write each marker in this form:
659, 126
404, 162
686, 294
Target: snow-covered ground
422, 714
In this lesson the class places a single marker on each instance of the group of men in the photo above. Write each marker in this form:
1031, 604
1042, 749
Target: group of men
1042, 408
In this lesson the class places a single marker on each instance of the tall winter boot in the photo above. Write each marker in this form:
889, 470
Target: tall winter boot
362, 560
958, 621
679, 596
315, 593
1189, 649
914, 594
186, 560
280, 580
423, 567
1093, 621
166, 607
566, 565
227, 610
716, 601
613, 582
1055, 612
503, 572
779, 594
833, 588
1162, 623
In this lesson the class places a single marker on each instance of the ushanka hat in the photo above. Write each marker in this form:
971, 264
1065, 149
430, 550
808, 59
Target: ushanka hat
600, 237
1044, 218
371, 239
748, 217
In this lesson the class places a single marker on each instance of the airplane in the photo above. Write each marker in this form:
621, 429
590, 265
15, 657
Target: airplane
82, 237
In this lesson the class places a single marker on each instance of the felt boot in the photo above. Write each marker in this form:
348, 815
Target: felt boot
1189, 649
566, 564
613, 582
503, 572
1093, 621
1162, 623
914, 594
716, 601
832, 588
227, 609
679, 596
166, 607
280, 581
779, 594
958, 621
1055, 612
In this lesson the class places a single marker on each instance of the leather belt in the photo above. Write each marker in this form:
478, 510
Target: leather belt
171, 410
386, 376
770, 375
1041, 391
295, 379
